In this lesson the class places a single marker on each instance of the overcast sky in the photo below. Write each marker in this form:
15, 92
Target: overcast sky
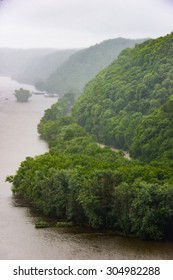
81, 23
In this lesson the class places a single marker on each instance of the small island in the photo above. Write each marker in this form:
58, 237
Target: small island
22, 95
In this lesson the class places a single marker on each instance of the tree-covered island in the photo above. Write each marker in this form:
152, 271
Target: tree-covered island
22, 95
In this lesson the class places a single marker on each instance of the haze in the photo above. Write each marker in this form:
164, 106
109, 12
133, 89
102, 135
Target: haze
76, 23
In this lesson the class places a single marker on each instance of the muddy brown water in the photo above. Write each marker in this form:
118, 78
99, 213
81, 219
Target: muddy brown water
18, 237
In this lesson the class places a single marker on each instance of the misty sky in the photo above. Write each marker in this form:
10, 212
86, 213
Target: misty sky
81, 23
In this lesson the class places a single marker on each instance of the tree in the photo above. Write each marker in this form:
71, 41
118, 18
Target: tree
96, 197
22, 95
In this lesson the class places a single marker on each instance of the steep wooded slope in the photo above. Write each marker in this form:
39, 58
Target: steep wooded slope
115, 104
85, 64
39, 68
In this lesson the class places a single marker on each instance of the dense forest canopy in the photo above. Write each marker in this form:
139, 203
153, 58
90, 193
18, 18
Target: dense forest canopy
84, 65
129, 106
125, 105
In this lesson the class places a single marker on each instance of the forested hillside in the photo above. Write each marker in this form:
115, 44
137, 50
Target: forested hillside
31, 65
84, 65
129, 104
39, 68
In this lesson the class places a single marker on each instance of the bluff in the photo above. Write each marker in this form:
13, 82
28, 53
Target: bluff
128, 104
84, 65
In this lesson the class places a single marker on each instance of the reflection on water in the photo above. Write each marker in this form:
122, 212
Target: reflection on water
18, 237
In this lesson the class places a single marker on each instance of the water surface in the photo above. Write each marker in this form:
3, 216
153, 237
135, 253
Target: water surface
18, 237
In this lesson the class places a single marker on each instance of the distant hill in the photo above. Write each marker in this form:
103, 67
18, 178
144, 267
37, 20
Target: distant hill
129, 104
84, 65
40, 67
31, 65
14, 61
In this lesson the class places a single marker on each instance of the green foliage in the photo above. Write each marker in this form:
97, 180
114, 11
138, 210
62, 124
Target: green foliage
122, 202
52, 122
64, 224
152, 211
82, 66
78, 182
41, 224
96, 197
128, 105
154, 136
22, 95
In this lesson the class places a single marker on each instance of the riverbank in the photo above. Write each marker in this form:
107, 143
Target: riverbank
19, 139
79, 182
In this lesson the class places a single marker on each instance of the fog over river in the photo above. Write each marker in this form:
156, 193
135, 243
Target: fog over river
18, 237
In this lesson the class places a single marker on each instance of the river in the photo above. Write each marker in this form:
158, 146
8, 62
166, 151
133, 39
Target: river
18, 237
